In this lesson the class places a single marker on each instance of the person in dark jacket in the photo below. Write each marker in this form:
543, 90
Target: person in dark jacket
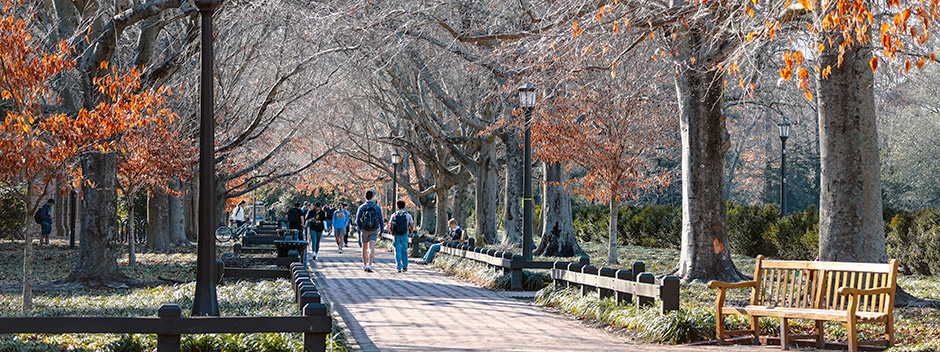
45, 213
316, 223
295, 221
456, 235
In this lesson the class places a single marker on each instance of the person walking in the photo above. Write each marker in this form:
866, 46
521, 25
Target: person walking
328, 225
456, 235
295, 221
238, 214
45, 223
400, 225
316, 220
340, 221
369, 221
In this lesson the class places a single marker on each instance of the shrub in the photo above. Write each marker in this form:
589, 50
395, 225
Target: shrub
796, 236
657, 226
746, 228
12, 213
914, 239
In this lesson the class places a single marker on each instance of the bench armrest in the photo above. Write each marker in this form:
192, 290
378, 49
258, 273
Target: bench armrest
866, 292
725, 285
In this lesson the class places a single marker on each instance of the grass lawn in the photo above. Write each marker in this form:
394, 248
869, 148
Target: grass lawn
236, 298
918, 329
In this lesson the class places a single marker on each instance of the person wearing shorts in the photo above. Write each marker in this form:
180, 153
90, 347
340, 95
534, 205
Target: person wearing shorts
340, 221
368, 235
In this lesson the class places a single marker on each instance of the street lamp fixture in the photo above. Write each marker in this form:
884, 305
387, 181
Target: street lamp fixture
783, 128
205, 301
527, 93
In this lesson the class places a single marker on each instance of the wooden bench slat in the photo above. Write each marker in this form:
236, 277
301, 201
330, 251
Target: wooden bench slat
795, 313
836, 266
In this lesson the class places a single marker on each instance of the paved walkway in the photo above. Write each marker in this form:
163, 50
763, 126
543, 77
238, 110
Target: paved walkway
425, 310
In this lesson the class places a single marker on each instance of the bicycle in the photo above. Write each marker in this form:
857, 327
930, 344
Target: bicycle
226, 233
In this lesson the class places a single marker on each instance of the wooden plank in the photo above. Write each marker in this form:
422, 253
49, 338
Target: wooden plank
839, 266
174, 326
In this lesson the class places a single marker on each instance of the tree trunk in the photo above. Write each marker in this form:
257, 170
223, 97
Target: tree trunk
176, 217
486, 199
851, 228
440, 227
428, 214
557, 225
460, 203
704, 253
512, 211
612, 229
131, 231
59, 213
28, 250
97, 254
158, 237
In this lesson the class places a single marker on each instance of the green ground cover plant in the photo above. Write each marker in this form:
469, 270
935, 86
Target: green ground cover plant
236, 298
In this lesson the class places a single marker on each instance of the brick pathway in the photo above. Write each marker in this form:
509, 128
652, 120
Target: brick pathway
425, 310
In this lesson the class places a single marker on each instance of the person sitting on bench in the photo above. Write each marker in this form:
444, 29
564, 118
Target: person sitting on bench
456, 235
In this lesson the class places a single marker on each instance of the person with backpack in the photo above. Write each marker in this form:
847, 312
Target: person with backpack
295, 221
316, 221
43, 217
340, 221
369, 221
400, 225
238, 214
456, 235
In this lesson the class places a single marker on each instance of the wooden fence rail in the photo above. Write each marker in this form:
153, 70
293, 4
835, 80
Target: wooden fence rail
625, 284
168, 325
511, 263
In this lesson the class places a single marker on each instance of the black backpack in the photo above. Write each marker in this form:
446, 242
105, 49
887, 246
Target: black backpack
370, 218
293, 215
400, 223
38, 216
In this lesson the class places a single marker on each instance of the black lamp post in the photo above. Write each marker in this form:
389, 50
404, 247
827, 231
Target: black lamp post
784, 128
527, 94
205, 302
396, 159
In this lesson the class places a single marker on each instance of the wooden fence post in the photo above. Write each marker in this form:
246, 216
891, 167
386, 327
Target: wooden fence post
669, 293
314, 342
559, 265
472, 242
308, 297
236, 249
584, 260
638, 268
645, 278
574, 267
515, 275
588, 270
624, 297
606, 272
219, 271
169, 343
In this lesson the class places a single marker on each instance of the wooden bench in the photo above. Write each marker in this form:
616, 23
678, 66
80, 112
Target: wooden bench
850, 293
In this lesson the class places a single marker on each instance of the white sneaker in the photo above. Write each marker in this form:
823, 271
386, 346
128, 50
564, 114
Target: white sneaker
340, 251
369, 269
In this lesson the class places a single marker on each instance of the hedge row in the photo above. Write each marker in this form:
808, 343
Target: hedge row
752, 230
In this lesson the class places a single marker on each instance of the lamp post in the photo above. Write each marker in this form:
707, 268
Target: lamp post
784, 129
396, 159
527, 94
204, 301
